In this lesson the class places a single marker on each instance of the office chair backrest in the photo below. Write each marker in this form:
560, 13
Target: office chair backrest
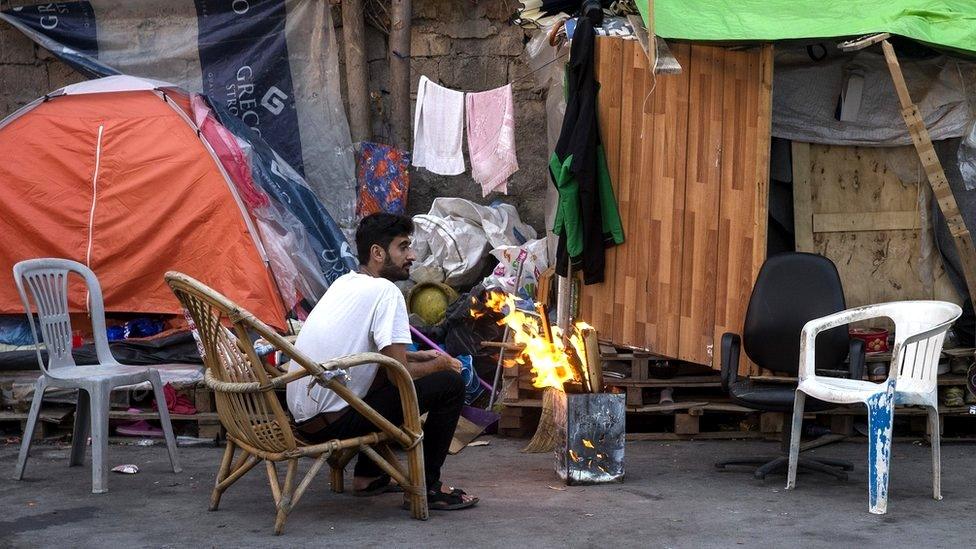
793, 288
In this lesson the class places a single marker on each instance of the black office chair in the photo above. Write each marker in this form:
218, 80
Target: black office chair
791, 289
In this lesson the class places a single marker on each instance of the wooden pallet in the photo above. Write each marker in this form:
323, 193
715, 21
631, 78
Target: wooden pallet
640, 379
695, 396
55, 419
522, 403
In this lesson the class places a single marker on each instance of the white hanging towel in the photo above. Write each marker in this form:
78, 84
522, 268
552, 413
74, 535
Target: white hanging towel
438, 127
491, 138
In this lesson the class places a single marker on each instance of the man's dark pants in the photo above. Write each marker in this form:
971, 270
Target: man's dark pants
440, 394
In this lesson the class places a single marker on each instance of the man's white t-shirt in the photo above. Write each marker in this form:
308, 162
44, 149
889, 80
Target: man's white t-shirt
357, 314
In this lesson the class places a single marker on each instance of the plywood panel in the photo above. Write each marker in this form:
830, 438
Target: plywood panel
664, 176
597, 300
879, 188
635, 317
743, 198
865, 221
760, 174
702, 187
681, 142
631, 93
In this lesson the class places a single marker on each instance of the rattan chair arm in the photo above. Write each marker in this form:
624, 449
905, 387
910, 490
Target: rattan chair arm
234, 386
411, 433
396, 372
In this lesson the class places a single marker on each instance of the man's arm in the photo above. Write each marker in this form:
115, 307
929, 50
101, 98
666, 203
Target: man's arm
424, 364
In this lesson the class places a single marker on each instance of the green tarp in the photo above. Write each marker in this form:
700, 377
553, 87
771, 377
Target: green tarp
945, 23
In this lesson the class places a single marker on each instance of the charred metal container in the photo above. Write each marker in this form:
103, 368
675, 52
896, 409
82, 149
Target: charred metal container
590, 432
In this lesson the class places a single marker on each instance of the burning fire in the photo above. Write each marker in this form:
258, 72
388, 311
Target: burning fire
543, 346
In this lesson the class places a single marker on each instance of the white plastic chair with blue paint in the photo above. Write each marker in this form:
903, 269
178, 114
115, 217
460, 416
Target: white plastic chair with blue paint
920, 328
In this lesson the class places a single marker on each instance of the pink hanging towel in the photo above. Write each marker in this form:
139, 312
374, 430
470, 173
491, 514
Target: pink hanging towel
491, 138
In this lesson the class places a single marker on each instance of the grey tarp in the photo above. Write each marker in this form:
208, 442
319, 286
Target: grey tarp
806, 95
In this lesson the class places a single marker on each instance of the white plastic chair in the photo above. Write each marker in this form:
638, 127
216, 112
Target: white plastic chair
48, 283
920, 328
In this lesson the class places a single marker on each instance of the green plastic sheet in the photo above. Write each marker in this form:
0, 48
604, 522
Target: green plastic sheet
943, 23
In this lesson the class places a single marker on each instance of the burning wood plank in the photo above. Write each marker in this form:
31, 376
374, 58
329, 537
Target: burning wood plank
594, 364
508, 346
560, 361
542, 345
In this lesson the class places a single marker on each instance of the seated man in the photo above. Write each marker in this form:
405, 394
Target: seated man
362, 312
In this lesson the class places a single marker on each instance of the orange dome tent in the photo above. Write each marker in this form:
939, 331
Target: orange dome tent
115, 174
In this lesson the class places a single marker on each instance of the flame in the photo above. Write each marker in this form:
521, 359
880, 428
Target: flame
550, 360
497, 300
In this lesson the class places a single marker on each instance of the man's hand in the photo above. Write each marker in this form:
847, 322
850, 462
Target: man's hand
422, 356
421, 363
451, 363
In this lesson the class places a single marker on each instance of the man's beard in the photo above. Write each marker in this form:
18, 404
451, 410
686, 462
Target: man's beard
391, 271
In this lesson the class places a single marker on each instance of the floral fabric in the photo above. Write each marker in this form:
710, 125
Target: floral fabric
383, 179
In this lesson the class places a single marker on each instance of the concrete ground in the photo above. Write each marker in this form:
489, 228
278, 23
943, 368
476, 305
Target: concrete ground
672, 497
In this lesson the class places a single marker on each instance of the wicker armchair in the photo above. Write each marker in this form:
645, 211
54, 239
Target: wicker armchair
255, 422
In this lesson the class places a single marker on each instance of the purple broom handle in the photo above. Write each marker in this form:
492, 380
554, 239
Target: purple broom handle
437, 347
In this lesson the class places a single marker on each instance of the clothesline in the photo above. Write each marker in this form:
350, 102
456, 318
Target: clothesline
520, 78
544, 65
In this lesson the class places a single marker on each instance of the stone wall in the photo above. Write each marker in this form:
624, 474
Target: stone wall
462, 44
27, 71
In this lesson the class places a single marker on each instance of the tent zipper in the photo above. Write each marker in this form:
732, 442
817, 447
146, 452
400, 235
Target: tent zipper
91, 213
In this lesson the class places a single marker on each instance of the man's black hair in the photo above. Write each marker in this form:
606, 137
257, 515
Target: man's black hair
380, 228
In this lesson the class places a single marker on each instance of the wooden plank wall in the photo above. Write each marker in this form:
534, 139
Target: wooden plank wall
689, 161
858, 206
744, 194
596, 303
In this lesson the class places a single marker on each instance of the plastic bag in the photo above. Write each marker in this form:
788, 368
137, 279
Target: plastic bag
967, 158
14, 330
519, 267
457, 234
472, 384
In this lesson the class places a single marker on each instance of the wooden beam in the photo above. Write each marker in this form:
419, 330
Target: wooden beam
865, 221
934, 172
354, 44
802, 198
401, 12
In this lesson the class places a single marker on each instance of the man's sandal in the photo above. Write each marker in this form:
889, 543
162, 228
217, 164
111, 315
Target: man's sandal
441, 501
381, 485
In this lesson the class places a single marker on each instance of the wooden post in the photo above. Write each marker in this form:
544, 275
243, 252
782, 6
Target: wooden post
771, 422
802, 198
686, 424
399, 56
934, 172
354, 43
